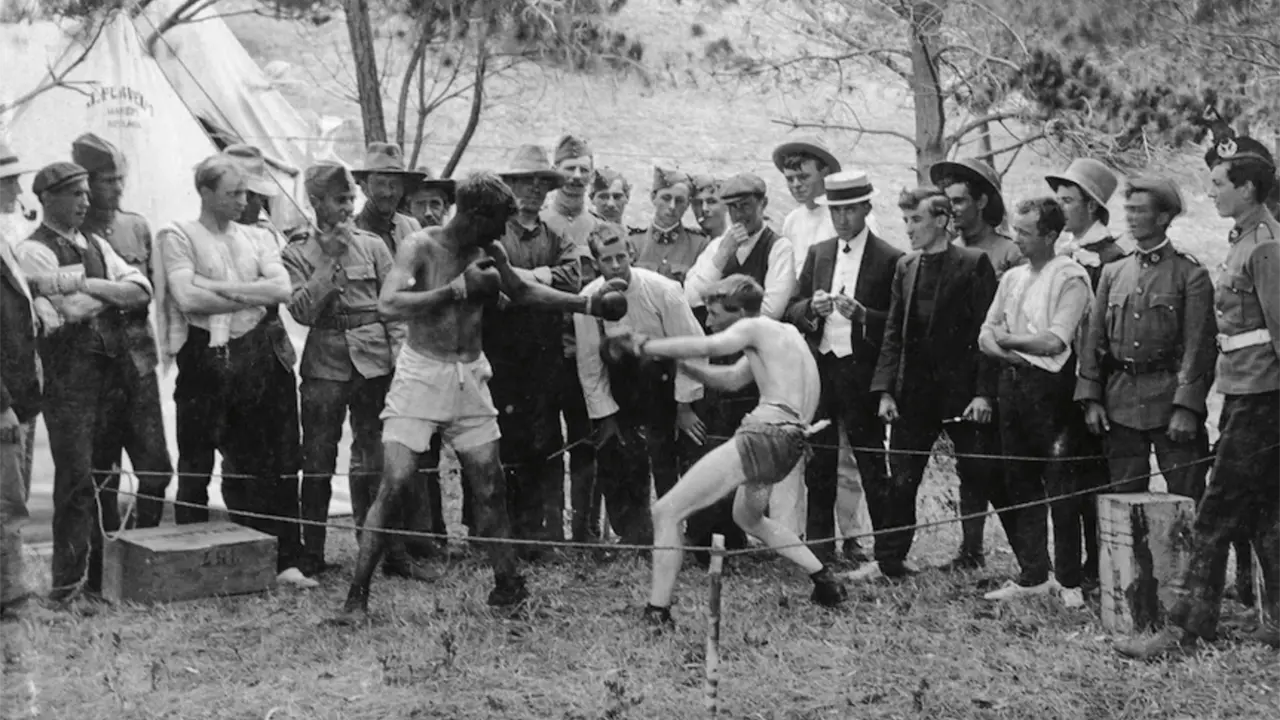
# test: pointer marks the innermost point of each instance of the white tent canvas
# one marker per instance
(119, 93)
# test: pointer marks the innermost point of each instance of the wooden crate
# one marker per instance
(1144, 545)
(185, 562)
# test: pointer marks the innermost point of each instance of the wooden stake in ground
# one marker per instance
(711, 686)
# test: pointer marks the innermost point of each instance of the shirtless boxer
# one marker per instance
(768, 444)
(442, 279)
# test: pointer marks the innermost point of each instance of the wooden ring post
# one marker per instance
(711, 685)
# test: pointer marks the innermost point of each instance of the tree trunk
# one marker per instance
(926, 89)
(375, 125)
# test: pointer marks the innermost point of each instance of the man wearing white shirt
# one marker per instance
(749, 247)
(637, 406)
(805, 164)
(840, 304)
(90, 285)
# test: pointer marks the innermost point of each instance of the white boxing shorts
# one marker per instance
(429, 396)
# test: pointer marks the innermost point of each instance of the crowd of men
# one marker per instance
(483, 313)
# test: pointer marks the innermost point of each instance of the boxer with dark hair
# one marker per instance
(442, 280)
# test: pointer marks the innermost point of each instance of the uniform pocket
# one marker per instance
(364, 271)
(1162, 316)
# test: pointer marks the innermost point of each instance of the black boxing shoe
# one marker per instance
(508, 591)
(828, 591)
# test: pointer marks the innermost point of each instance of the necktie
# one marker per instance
(847, 248)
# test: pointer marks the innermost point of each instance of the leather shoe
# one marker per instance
(964, 562)
(1169, 641)
(409, 569)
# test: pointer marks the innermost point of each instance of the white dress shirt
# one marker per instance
(837, 332)
(655, 307)
(806, 228)
(779, 280)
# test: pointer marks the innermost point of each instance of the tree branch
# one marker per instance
(182, 14)
(57, 79)
(976, 123)
(415, 60)
(477, 103)
(796, 125)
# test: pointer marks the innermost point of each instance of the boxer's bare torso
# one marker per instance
(449, 331)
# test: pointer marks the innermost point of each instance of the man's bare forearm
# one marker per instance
(258, 292)
(726, 378)
(120, 293)
(1041, 343)
(405, 304)
(679, 347)
(197, 300)
(543, 296)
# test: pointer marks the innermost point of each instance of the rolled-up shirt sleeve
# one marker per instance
(702, 275)
(678, 321)
(591, 371)
(1071, 306)
(779, 280)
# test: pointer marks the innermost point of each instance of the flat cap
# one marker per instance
(55, 176)
(742, 185)
(97, 155)
(1162, 188)
(571, 146)
(327, 178)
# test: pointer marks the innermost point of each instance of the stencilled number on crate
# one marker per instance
(220, 556)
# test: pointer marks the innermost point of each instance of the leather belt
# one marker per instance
(347, 320)
(1231, 343)
(1111, 363)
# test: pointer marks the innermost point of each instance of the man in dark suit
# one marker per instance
(840, 304)
(931, 377)
(19, 397)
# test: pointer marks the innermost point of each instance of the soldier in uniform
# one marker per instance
(1243, 498)
(430, 201)
(567, 212)
(610, 193)
(134, 394)
(385, 181)
(1147, 353)
(667, 247)
(522, 344)
(708, 209)
(92, 288)
(974, 190)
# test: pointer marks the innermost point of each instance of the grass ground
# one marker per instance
(926, 649)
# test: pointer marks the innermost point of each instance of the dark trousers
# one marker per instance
(893, 502)
(134, 424)
(241, 401)
(1129, 458)
(1038, 420)
(84, 502)
(584, 493)
(647, 445)
(325, 405)
(529, 417)
(1094, 473)
(1241, 503)
(844, 400)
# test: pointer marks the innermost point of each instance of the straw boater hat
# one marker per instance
(384, 158)
(812, 146)
(974, 170)
(531, 161)
(1092, 177)
(9, 165)
(254, 166)
(847, 188)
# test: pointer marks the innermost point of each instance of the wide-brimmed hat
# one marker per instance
(812, 146)
(9, 163)
(1092, 177)
(974, 170)
(253, 164)
(531, 161)
(431, 182)
(847, 188)
(385, 159)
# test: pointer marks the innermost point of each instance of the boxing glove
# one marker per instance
(609, 302)
(480, 280)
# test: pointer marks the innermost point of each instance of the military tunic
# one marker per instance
(670, 252)
(1243, 501)
(1147, 350)
(391, 229)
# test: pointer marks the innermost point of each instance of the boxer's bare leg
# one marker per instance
(711, 478)
(399, 465)
(748, 512)
(482, 472)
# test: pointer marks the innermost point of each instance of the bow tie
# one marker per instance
(848, 247)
